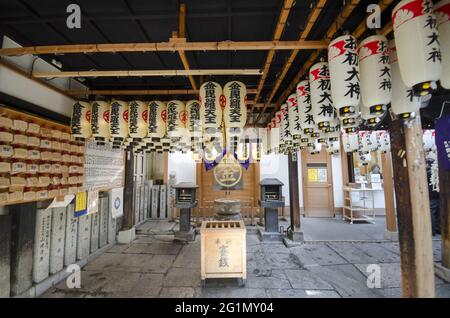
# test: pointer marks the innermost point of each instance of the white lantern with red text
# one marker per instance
(100, 121)
(350, 142)
(322, 104)
(304, 107)
(404, 102)
(375, 74)
(442, 12)
(287, 137)
(384, 142)
(294, 118)
(344, 75)
(211, 103)
(417, 42)
(80, 123)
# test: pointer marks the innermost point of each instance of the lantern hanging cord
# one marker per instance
(442, 108)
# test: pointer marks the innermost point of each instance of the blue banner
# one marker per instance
(442, 128)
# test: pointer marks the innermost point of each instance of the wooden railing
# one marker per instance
(251, 215)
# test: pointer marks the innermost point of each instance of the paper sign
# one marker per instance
(116, 202)
(80, 204)
(312, 175)
(61, 203)
(92, 202)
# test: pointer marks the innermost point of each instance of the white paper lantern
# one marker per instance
(417, 42)
(176, 119)
(211, 103)
(118, 122)
(375, 73)
(369, 119)
(275, 133)
(332, 147)
(294, 117)
(344, 74)
(314, 148)
(235, 112)
(350, 142)
(321, 101)
(304, 107)
(137, 120)
(100, 121)
(442, 12)
(404, 102)
(156, 120)
(287, 137)
(365, 158)
(384, 142)
(80, 123)
(194, 123)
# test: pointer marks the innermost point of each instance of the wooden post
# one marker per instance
(388, 187)
(128, 195)
(413, 208)
(294, 200)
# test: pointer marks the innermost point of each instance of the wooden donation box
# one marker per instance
(185, 201)
(223, 250)
(271, 199)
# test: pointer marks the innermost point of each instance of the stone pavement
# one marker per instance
(154, 266)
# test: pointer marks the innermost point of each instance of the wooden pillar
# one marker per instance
(128, 195)
(166, 168)
(294, 200)
(388, 187)
(444, 210)
(413, 208)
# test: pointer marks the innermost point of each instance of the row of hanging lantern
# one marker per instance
(358, 82)
(213, 123)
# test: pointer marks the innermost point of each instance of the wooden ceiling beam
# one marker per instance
(182, 35)
(146, 73)
(312, 18)
(287, 5)
(171, 46)
(131, 92)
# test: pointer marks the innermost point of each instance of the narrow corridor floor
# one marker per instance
(155, 266)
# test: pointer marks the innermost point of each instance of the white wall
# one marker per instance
(23, 88)
(338, 184)
(183, 165)
(272, 166)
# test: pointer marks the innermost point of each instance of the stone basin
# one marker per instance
(227, 206)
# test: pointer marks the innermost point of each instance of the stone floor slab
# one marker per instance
(158, 248)
(182, 277)
(107, 261)
(177, 292)
(301, 293)
(352, 253)
(319, 253)
(147, 263)
(305, 279)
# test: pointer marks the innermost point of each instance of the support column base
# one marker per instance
(127, 236)
(185, 236)
(391, 236)
(442, 272)
(269, 236)
(293, 239)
